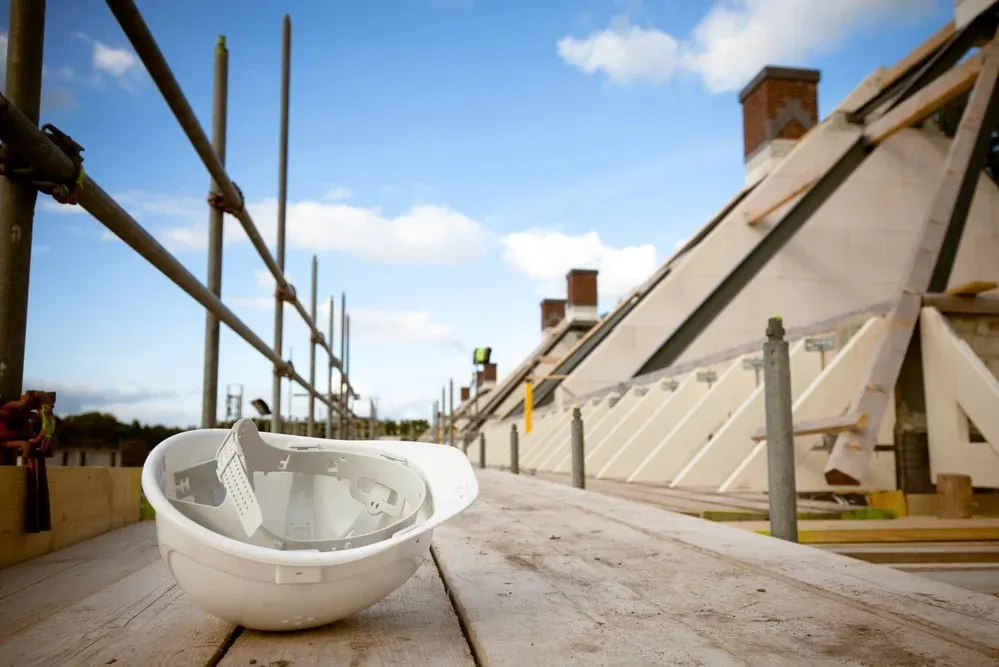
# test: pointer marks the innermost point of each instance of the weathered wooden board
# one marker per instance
(907, 529)
(544, 574)
(141, 618)
(685, 501)
(86, 502)
(415, 626)
(33, 590)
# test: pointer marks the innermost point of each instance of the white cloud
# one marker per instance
(410, 326)
(405, 326)
(337, 193)
(120, 64)
(625, 52)
(424, 233)
(116, 62)
(731, 42)
(547, 255)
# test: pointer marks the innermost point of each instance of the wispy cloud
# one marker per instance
(731, 42)
(120, 64)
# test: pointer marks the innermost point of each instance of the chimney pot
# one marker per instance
(466, 393)
(779, 106)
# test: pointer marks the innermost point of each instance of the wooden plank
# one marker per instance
(980, 579)
(839, 424)
(973, 288)
(416, 626)
(921, 553)
(887, 531)
(956, 305)
(140, 619)
(947, 87)
(925, 504)
(85, 502)
(885, 594)
(851, 453)
(934, 43)
(805, 182)
(34, 590)
(544, 574)
(686, 501)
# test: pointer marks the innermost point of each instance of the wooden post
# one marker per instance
(780, 433)
(578, 450)
(954, 493)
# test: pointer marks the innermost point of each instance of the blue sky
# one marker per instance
(450, 160)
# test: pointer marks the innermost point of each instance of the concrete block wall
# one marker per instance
(982, 334)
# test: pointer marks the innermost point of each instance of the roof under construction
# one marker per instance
(836, 216)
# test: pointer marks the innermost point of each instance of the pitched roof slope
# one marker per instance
(825, 260)
(606, 326)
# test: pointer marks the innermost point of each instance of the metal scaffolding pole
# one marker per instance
(436, 426)
(450, 412)
(329, 382)
(210, 384)
(281, 294)
(25, 46)
(310, 423)
(141, 39)
(443, 431)
(343, 353)
(346, 369)
(29, 143)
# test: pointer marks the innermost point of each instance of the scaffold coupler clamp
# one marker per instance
(218, 201)
(64, 191)
(285, 370)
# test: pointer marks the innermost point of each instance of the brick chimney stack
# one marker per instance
(485, 379)
(581, 290)
(466, 393)
(779, 106)
(552, 314)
